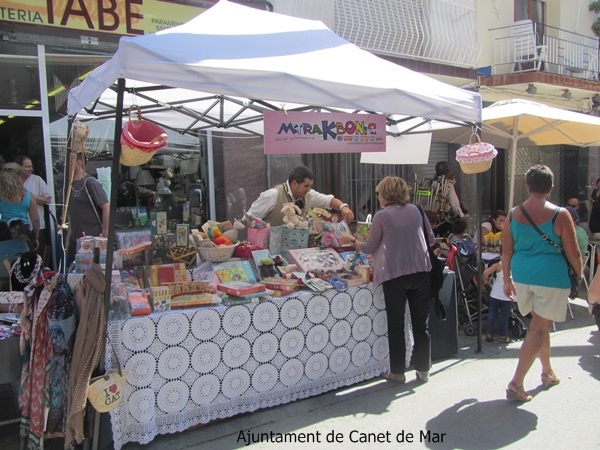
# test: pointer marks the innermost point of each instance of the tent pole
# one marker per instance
(513, 162)
(478, 221)
(210, 185)
(115, 175)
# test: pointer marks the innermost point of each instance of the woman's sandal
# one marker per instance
(517, 393)
(549, 379)
(395, 377)
(489, 337)
(504, 340)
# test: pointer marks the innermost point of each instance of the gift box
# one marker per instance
(85, 245)
(316, 259)
(83, 261)
(137, 255)
(163, 240)
(165, 273)
(282, 238)
(240, 288)
(140, 304)
(101, 243)
(161, 298)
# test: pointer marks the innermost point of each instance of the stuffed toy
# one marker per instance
(292, 216)
(328, 238)
(286, 271)
(266, 267)
(253, 222)
(215, 235)
(232, 234)
(162, 187)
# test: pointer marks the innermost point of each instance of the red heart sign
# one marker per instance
(113, 388)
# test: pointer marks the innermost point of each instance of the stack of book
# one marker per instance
(242, 289)
(280, 286)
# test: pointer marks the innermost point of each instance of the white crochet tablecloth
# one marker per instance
(193, 366)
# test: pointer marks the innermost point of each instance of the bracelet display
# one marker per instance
(343, 205)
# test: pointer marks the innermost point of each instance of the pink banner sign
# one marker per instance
(292, 133)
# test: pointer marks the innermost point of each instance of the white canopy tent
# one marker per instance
(254, 57)
(223, 68)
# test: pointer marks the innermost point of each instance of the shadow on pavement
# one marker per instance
(482, 425)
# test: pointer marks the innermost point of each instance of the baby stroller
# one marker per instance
(463, 261)
(464, 264)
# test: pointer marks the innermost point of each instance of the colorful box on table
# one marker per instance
(163, 240)
(316, 259)
(85, 245)
(282, 238)
(83, 261)
(137, 255)
(280, 284)
(140, 304)
(241, 288)
(164, 273)
(161, 298)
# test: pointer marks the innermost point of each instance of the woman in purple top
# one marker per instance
(401, 263)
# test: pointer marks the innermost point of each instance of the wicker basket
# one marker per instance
(209, 251)
(476, 167)
(476, 157)
(140, 140)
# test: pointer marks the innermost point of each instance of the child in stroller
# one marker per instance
(500, 306)
(464, 264)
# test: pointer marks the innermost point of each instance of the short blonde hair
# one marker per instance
(394, 190)
(17, 168)
(11, 185)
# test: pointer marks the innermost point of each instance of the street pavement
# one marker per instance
(462, 407)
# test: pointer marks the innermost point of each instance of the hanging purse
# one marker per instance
(573, 278)
(476, 157)
(140, 139)
(105, 392)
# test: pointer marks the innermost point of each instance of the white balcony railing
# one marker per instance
(554, 50)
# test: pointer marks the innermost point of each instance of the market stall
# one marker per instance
(173, 75)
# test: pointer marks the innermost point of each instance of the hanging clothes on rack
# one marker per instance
(49, 322)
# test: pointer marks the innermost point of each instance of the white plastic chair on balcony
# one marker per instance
(525, 48)
(581, 59)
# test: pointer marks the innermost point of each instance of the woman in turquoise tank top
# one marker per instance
(536, 272)
(16, 202)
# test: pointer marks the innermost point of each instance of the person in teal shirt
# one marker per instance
(535, 272)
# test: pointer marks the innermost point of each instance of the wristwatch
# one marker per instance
(343, 205)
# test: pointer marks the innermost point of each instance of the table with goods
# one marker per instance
(241, 327)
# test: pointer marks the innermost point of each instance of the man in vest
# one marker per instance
(298, 190)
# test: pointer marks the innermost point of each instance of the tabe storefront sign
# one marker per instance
(291, 133)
